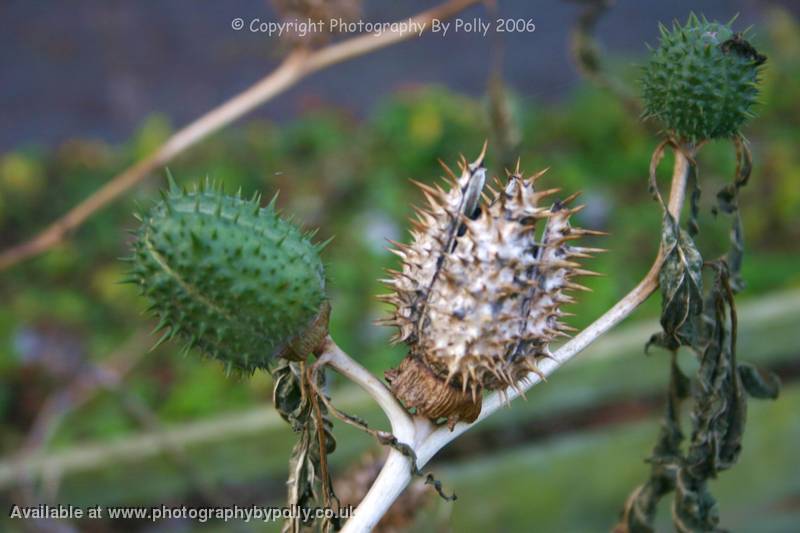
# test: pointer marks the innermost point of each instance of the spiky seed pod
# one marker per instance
(230, 277)
(702, 80)
(480, 293)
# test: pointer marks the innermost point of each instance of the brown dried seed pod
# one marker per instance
(480, 293)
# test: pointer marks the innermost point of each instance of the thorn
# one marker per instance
(585, 251)
(479, 161)
(398, 245)
(325, 243)
(448, 171)
(271, 204)
(398, 253)
(462, 162)
(159, 342)
(173, 186)
(559, 263)
(582, 272)
(162, 323)
(547, 192)
(577, 209)
(571, 197)
(539, 174)
(582, 231)
(577, 287)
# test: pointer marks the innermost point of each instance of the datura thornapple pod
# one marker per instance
(702, 80)
(480, 294)
(231, 277)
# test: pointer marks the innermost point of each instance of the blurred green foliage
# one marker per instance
(350, 179)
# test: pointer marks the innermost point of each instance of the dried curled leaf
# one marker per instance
(719, 414)
(728, 203)
(759, 384)
(681, 281)
(307, 472)
(709, 327)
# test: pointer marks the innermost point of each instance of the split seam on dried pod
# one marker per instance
(479, 296)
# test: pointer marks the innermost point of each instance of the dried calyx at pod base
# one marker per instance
(481, 290)
(230, 277)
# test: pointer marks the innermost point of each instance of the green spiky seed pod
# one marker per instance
(231, 278)
(702, 81)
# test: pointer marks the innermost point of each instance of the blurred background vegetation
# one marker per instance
(105, 421)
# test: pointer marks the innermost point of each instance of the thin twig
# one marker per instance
(313, 396)
(335, 357)
(296, 66)
(316, 368)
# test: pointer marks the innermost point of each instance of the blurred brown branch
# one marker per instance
(296, 66)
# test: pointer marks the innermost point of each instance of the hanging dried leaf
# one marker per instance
(709, 327)
(728, 203)
(307, 466)
(759, 384)
(681, 277)
(681, 281)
